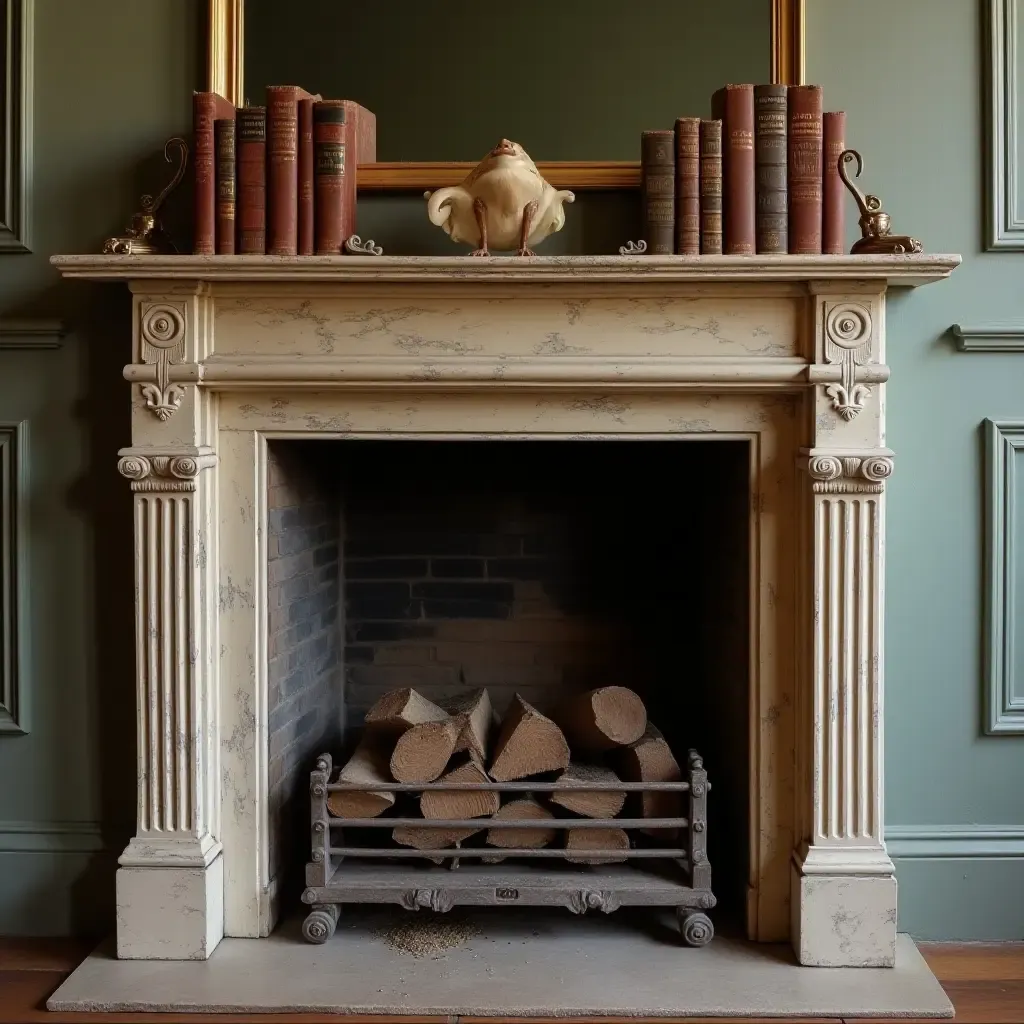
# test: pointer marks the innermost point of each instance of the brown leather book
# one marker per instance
(206, 108)
(711, 188)
(805, 180)
(330, 176)
(833, 191)
(688, 186)
(772, 220)
(305, 243)
(658, 190)
(283, 168)
(224, 169)
(734, 106)
(251, 213)
(361, 133)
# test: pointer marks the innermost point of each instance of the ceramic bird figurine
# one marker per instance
(503, 203)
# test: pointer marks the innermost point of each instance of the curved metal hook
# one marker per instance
(866, 204)
(151, 205)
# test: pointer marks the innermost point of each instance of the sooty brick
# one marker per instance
(468, 591)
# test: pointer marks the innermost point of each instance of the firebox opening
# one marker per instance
(533, 567)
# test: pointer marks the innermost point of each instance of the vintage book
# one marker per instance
(711, 188)
(805, 169)
(770, 157)
(833, 191)
(251, 208)
(305, 241)
(658, 190)
(224, 170)
(688, 186)
(361, 136)
(734, 106)
(206, 108)
(330, 176)
(283, 168)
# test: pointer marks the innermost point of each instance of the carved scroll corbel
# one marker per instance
(847, 373)
(849, 473)
(148, 472)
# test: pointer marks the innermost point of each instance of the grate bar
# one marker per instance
(506, 787)
(497, 851)
(508, 822)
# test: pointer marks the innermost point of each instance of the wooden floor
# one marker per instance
(985, 984)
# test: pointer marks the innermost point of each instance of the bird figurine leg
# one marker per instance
(480, 209)
(529, 212)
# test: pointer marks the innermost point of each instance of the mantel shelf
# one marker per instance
(896, 271)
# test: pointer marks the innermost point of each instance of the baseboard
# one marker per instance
(51, 837)
(954, 842)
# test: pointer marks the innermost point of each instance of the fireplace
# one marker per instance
(753, 386)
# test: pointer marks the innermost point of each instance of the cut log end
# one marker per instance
(422, 752)
(603, 719)
(465, 804)
(368, 763)
(399, 710)
(583, 840)
(650, 759)
(589, 803)
(528, 743)
(521, 838)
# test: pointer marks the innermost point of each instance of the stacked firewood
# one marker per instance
(599, 737)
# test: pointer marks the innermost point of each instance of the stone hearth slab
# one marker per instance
(518, 963)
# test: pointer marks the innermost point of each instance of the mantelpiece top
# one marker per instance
(896, 271)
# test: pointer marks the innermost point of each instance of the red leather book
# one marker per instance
(331, 176)
(805, 180)
(224, 169)
(251, 214)
(688, 186)
(206, 108)
(833, 192)
(711, 188)
(283, 168)
(305, 243)
(734, 105)
(658, 190)
(361, 136)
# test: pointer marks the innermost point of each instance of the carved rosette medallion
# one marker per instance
(849, 474)
(848, 345)
(583, 900)
(164, 472)
(162, 333)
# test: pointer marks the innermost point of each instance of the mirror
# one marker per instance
(572, 80)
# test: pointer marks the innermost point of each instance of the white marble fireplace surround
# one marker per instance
(785, 352)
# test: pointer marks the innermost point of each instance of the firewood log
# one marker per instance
(399, 710)
(528, 743)
(591, 804)
(465, 804)
(586, 839)
(422, 753)
(651, 760)
(431, 838)
(602, 719)
(477, 717)
(368, 763)
(521, 838)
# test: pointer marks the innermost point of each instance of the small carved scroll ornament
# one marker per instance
(849, 474)
(583, 900)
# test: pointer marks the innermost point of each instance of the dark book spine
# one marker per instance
(658, 188)
(688, 186)
(770, 157)
(805, 179)
(252, 181)
(833, 192)
(711, 188)
(305, 237)
(735, 106)
(330, 176)
(282, 170)
(224, 143)
(206, 108)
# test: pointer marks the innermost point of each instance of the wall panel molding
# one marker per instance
(1004, 689)
(979, 338)
(51, 837)
(16, 44)
(14, 577)
(921, 842)
(31, 333)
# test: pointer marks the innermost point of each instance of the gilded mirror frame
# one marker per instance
(224, 74)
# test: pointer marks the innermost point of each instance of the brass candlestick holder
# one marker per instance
(145, 235)
(875, 225)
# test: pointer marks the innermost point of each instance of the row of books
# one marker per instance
(759, 176)
(278, 179)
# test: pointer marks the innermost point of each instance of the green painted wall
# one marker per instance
(113, 81)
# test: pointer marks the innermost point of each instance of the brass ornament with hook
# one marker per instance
(875, 224)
